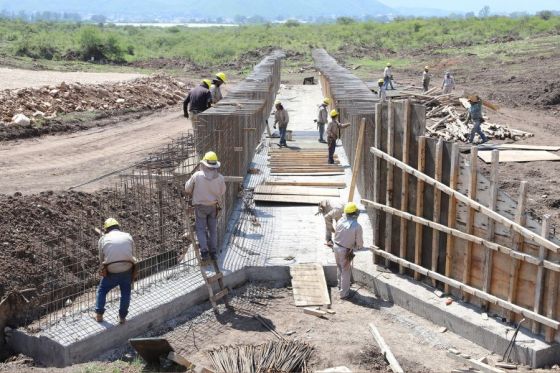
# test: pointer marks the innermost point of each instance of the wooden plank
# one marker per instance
(219, 295)
(385, 350)
(521, 147)
(307, 173)
(539, 289)
(475, 363)
(333, 184)
(419, 204)
(357, 160)
(296, 190)
(452, 211)
(491, 225)
(314, 312)
(551, 301)
(377, 174)
(390, 176)
(292, 199)
(437, 207)
(180, 360)
(404, 188)
(473, 180)
(520, 156)
(517, 243)
(462, 198)
(309, 285)
(469, 289)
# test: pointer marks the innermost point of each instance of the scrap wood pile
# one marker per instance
(273, 356)
(447, 113)
(48, 102)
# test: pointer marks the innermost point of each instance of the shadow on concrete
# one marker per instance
(242, 320)
(367, 301)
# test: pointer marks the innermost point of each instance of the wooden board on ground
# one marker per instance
(328, 173)
(551, 148)
(292, 199)
(519, 156)
(296, 190)
(309, 285)
(331, 184)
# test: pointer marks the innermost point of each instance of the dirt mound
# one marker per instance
(167, 63)
(49, 105)
(550, 95)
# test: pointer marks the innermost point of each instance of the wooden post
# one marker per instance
(551, 301)
(419, 204)
(473, 179)
(452, 211)
(437, 207)
(390, 174)
(491, 225)
(357, 159)
(404, 188)
(377, 171)
(385, 350)
(537, 307)
(517, 245)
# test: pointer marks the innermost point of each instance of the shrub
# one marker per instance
(345, 20)
(292, 23)
(545, 14)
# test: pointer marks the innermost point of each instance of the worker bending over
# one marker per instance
(198, 100)
(332, 210)
(448, 84)
(333, 133)
(116, 254)
(281, 120)
(323, 117)
(348, 237)
(475, 115)
(388, 76)
(426, 76)
(207, 188)
(215, 90)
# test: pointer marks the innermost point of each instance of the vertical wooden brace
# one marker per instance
(377, 177)
(437, 207)
(404, 188)
(543, 252)
(357, 159)
(419, 204)
(452, 211)
(390, 174)
(473, 180)
(491, 229)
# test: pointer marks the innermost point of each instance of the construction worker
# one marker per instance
(426, 76)
(207, 188)
(448, 84)
(332, 210)
(333, 133)
(348, 237)
(475, 115)
(199, 99)
(215, 87)
(116, 254)
(388, 76)
(281, 119)
(323, 117)
(381, 91)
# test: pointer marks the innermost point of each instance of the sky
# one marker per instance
(507, 6)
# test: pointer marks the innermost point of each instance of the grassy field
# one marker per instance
(54, 43)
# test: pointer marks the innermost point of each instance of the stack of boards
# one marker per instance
(302, 162)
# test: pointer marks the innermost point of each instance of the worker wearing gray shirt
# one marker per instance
(116, 253)
(348, 237)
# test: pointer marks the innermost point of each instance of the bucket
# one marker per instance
(288, 135)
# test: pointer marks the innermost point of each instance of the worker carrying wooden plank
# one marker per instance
(207, 188)
(348, 237)
(332, 210)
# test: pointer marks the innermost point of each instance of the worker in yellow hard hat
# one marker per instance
(215, 87)
(475, 115)
(333, 133)
(198, 100)
(388, 76)
(381, 90)
(426, 76)
(348, 236)
(207, 188)
(116, 252)
(323, 117)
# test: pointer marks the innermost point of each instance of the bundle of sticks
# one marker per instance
(446, 115)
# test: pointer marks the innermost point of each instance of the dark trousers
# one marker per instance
(332, 147)
(124, 281)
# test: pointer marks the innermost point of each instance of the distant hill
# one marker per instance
(203, 9)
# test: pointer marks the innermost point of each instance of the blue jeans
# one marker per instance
(387, 81)
(206, 228)
(124, 281)
(321, 131)
(477, 129)
(332, 147)
(282, 135)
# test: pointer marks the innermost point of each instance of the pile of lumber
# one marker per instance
(285, 161)
(446, 115)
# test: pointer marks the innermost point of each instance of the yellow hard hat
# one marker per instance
(389, 64)
(222, 77)
(110, 222)
(473, 98)
(208, 82)
(334, 113)
(426, 67)
(277, 102)
(327, 100)
(350, 208)
(210, 160)
(381, 81)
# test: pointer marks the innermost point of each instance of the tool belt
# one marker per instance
(104, 272)
(349, 252)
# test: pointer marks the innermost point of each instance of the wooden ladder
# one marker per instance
(210, 280)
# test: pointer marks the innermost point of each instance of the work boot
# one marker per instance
(214, 257)
(99, 317)
(122, 320)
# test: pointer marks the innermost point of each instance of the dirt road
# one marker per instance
(19, 78)
(60, 162)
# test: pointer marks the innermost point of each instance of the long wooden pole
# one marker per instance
(390, 174)
(419, 204)
(437, 207)
(452, 211)
(539, 288)
(470, 203)
(491, 230)
(385, 350)
(473, 180)
(404, 186)
(469, 289)
(357, 159)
